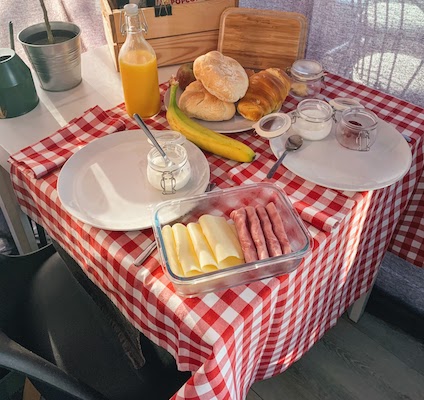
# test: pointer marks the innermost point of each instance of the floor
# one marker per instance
(367, 360)
(380, 357)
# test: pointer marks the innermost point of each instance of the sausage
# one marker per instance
(273, 244)
(240, 221)
(257, 233)
(278, 227)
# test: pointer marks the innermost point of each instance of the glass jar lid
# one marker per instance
(168, 137)
(314, 110)
(343, 103)
(307, 70)
(359, 119)
(176, 153)
(273, 125)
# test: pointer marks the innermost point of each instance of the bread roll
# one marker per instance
(222, 76)
(197, 102)
(267, 91)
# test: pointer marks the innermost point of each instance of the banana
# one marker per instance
(202, 137)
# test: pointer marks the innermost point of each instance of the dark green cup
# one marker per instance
(17, 91)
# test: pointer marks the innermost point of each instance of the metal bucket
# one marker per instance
(58, 65)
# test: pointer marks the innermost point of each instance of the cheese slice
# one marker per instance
(171, 250)
(224, 244)
(185, 250)
(201, 247)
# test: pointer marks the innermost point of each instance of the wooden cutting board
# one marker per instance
(260, 39)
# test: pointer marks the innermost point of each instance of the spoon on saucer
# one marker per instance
(149, 134)
(293, 143)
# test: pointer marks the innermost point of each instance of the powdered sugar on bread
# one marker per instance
(222, 76)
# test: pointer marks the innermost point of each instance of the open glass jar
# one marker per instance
(307, 79)
(172, 176)
(357, 129)
(313, 119)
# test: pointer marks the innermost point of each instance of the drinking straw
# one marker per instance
(12, 40)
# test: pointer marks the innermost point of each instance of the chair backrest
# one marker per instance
(47, 376)
(16, 276)
(260, 39)
(52, 331)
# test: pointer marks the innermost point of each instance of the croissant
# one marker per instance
(266, 93)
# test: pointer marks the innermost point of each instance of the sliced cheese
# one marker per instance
(185, 250)
(201, 247)
(224, 244)
(171, 250)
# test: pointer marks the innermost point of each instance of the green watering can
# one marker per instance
(17, 91)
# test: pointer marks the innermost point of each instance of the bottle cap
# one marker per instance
(131, 9)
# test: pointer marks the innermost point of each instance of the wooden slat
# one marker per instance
(187, 18)
(184, 48)
(191, 30)
(177, 49)
(260, 39)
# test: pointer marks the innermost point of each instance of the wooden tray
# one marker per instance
(260, 39)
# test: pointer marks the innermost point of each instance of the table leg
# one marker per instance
(17, 221)
(358, 307)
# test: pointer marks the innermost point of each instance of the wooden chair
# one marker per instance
(260, 39)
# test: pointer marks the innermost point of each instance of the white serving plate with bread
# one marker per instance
(236, 124)
(222, 95)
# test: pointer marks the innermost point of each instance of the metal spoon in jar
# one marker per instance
(149, 134)
(292, 143)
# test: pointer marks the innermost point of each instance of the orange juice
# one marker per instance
(139, 75)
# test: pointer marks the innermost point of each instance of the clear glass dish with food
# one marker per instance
(229, 237)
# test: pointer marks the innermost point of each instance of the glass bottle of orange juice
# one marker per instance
(138, 67)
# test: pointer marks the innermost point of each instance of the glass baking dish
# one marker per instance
(221, 203)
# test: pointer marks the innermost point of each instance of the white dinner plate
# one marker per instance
(105, 183)
(329, 164)
(233, 125)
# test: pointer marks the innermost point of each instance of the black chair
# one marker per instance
(53, 332)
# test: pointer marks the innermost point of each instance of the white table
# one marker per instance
(101, 85)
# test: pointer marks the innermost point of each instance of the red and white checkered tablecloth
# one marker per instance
(232, 338)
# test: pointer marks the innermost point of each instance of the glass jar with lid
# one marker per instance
(307, 79)
(313, 119)
(357, 129)
(168, 176)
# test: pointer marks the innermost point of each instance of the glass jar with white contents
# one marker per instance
(313, 119)
(168, 176)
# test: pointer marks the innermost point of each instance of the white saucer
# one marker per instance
(329, 164)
